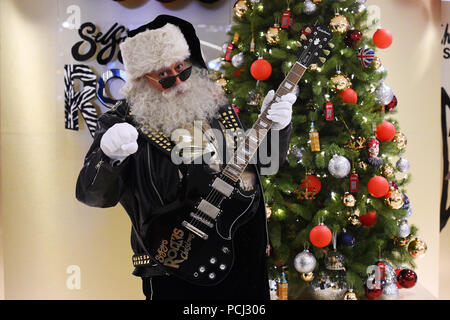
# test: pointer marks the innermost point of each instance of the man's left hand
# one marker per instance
(280, 111)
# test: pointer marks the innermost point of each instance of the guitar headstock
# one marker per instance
(315, 45)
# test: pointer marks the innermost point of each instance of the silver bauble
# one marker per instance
(305, 262)
(310, 7)
(339, 166)
(238, 60)
(390, 291)
(402, 165)
(384, 94)
(403, 229)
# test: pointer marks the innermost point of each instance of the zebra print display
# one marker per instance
(74, 100)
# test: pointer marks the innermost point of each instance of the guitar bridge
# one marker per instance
(195, 230)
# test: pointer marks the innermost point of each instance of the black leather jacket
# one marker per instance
(148, 180)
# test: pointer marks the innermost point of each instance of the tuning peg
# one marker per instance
(327, 52)
(322, 59)
(331, 45)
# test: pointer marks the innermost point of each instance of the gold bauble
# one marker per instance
(273, 34)
(350, 295)
(395, 199)
(417, 248)
(240, 8)
(349, 200)
(317, 1)
(307, 277)
(268, 211)
(401, 140)
(388, 171)
(340, 82)
(339, 24)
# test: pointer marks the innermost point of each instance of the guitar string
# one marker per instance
(214, 195)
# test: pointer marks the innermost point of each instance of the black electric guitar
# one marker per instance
(195, 241)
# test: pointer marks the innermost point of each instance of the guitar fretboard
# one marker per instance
(247, 149)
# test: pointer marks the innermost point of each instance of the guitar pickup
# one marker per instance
(223, 187)
(209, 209)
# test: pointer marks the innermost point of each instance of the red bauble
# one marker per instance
(261, 69)
(349, 96)
(320, 236)
(378, 186)
(353, 37)
(385, 131)
(391, 106)
(368, 219)
(407, 278)
(382, 38)
(373, 294)
(310, 186)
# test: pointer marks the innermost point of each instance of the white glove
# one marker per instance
(119, 141)
(281, 110)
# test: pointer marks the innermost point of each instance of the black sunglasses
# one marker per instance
(168, 82)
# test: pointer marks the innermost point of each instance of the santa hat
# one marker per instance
(159, 44)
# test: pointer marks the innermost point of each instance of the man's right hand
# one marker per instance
(119, 141)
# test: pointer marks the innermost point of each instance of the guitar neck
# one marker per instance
(247, 149)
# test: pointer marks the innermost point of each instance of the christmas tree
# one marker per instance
(338, 208)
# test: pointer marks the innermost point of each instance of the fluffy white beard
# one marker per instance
(198, 98)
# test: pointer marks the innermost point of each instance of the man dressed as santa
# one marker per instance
(133, 161)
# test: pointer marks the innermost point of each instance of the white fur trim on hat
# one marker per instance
(153, 49)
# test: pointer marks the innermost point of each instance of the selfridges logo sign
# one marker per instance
(92, 44)
(93, 38)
